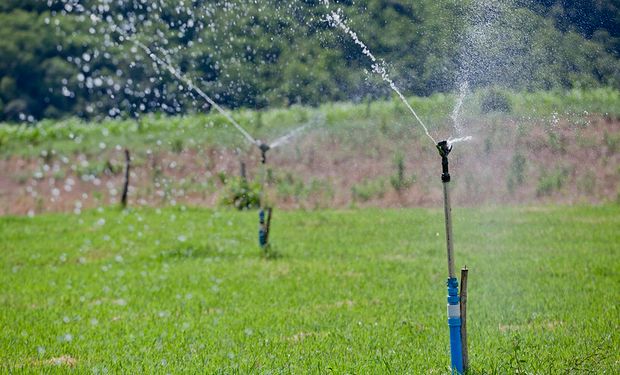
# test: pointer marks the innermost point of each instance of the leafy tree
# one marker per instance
(56, 60)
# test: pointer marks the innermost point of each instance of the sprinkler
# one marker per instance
(454, 308)
(263, 147)
(265, 213)
(263, 225)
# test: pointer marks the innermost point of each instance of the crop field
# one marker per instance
(346, 291)
(544, 147)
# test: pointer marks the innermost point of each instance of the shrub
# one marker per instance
(398, 180)
(241, 194)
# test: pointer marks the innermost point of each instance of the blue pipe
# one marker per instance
(262, 232)
(454, 322)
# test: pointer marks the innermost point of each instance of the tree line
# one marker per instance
(72, 58)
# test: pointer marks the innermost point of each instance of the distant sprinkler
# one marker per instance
(263, 147)
(263, 224)
(265, 212)
(458, 343)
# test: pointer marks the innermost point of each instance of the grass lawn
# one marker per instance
(354, 291)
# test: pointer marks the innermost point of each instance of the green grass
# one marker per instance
(359, 291)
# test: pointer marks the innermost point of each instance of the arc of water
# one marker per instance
(287, 137)
(292, 134)
(158, 60)
(182, 78)
(191, 85)
(456, 112)
(452, 141)
(335, 19)
(276, 143)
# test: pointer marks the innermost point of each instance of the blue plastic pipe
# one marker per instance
(262, 230)
(454, 322)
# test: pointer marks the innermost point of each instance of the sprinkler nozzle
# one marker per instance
(444, 150)
(263, 150)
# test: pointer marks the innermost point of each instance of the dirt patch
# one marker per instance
(64, 360)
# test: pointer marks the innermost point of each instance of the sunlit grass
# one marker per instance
(358, 291)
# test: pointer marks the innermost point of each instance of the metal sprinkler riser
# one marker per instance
(263, 223)
(454, 308)
(444, 151)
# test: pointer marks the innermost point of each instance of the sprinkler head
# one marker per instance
(263, 150)
(444, 148)
(264, 147)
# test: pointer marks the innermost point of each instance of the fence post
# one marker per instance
(126, 183)
(463, 299)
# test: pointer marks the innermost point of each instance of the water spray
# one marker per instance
(175, 72)
(454, 307)
(335, 19)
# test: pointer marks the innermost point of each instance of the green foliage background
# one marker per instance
(54, 62)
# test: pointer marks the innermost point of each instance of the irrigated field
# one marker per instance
(354, 291)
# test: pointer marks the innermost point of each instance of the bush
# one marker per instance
(398, 180)
(241, 194)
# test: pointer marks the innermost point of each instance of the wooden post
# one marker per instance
(463, 298)
(243, 173)
(126, 184)
(268, 225)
